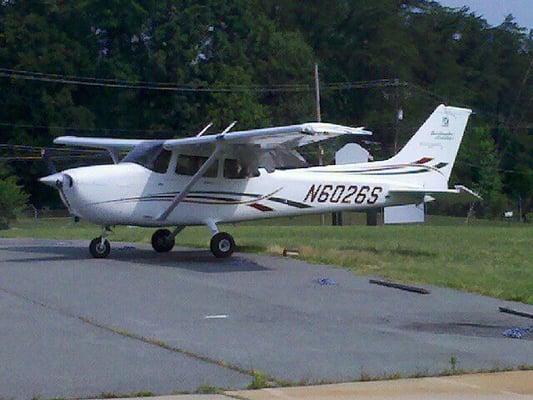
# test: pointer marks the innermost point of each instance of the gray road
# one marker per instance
(74, 326)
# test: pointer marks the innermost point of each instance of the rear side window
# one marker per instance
(189, 165)
(161, 162)
(233, 169)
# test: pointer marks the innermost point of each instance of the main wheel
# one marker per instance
(99, 248)
(222, 245)
(163, 240)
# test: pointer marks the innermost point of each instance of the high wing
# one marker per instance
(288, 136)
(267, 138)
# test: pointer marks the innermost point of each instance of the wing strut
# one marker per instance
(180, 196)
(114, 155)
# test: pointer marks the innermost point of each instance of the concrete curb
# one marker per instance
(500, 385)
(503, 385)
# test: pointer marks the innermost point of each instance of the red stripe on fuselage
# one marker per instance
(260, 207)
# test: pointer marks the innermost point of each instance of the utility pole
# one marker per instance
(319, 119)
(398, 114)
(520, 219)
(317, 94)
(318, 113)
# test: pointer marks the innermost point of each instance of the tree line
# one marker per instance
(260, 54)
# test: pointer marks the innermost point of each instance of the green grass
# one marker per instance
(494, 259)
(259, 381)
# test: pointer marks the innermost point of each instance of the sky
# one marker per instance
(494, 11)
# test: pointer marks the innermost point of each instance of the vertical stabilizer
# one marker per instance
(437, 142)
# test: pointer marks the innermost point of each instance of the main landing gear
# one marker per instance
(222, 244)
(164, 240)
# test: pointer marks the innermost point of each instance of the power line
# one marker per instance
(196, 87)
(508, 171)
(17, 147)
(75, 128)
(112, 80)
(446, 100)
(189, 87)
(38, 158)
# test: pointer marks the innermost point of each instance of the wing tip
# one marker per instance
(325, 128)
(63, 139)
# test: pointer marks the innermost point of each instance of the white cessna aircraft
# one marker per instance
(232, 176)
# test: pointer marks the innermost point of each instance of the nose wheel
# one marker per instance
(222, 245)
(163, 240)
(100, 247)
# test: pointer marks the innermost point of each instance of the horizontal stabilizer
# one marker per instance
(460, 194)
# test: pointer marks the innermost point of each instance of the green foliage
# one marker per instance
(113, 395)
(451, 52)
(453, 364)
(12, 199)
(241, 106)
(479, 163)
(208, 389)
(259, 381)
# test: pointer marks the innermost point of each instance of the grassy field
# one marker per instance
(495, 259)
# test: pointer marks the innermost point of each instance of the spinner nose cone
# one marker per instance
(53, 180)
(56, 180)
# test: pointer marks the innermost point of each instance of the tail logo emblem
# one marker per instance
(445, 122)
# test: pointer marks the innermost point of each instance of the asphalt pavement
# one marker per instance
(73, 326)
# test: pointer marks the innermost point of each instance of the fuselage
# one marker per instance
(130, 194)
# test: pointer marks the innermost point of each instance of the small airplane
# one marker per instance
(236, 176)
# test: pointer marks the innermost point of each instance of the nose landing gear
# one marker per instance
(100, 247)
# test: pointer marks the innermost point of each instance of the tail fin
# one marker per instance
(436, 143)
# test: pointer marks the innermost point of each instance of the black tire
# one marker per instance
(163, 241)
(99, 249)
(222, 245)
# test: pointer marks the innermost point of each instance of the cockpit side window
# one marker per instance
(234, 169)
(150, 155)
(189, 165)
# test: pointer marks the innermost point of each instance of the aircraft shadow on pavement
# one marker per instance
(194, 260)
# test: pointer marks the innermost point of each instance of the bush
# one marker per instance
(12, 200)
(259, 381)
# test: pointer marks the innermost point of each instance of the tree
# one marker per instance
(447, 55)
(478, 165)
(12, 198)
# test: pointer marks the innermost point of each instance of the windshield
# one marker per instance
(150, 155)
